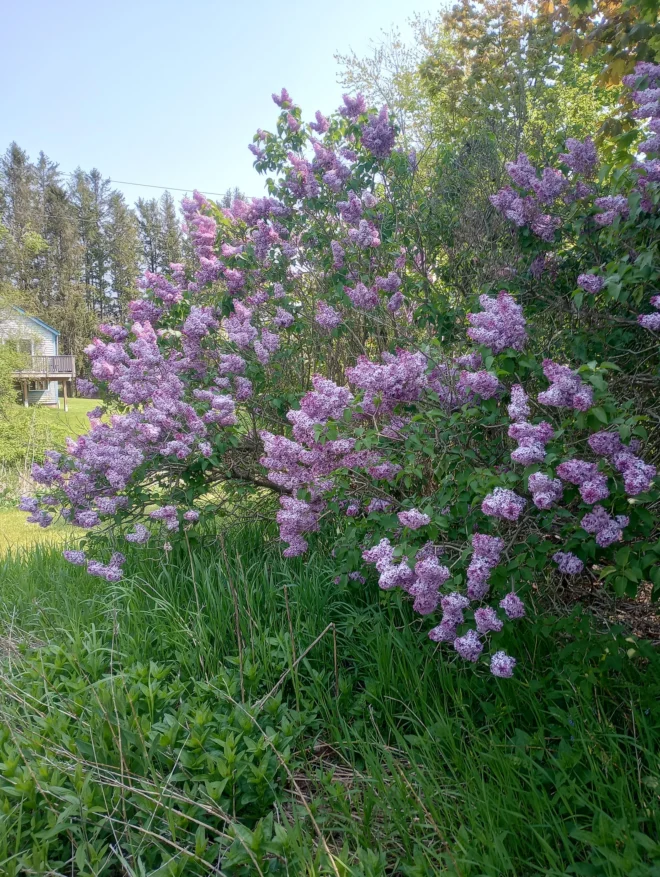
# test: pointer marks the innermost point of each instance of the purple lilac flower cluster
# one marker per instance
(591, 483)
(500, 325)
(607, 529)
(637, 475)
(546, 491)
(486, 552)
(651, 321)
(532, 439)
(566, 388)
(503, 503)
(569, 564)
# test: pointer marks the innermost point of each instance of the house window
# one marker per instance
(37, 385)
(19, 345)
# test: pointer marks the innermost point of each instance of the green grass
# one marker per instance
(16, 533)
(25, 433)
(399, 760)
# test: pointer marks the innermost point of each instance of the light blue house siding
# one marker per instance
(36, 338)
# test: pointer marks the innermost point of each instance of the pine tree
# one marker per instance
(123, 254)
(170, 244)
(151, 231)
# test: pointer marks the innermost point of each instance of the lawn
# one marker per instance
(25, 433)
(225, 711)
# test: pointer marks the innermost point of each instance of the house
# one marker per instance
(43, 368)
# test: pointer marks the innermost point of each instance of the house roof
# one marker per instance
(35, 320)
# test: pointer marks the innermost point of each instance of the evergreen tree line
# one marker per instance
(72, 248)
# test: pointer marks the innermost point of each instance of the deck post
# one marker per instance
(66, 404)
(25, 394)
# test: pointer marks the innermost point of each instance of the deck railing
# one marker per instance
(44, 366)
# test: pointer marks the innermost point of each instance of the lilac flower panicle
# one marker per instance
(76, 557)
(502, 665)
(140, 534)
(545, 491)
(483, 383)
(486, 551)
(327, 317)
(378, 135)
(486, 620)
(513, 606)
(581, 157)
(591, 483)
(500, 325)
(566, 388)
(591, 283)
(443, 633)
(605, 528)
(413, 519)
(503, 503)
(469, 646)
(518, 408)
(569, 564)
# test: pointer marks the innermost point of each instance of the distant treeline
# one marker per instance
(72, 248)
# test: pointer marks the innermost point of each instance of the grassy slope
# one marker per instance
(24, 435)
(443, 769)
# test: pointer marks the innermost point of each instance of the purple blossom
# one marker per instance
(637, 475)
(592, 484)
(283, 99)
(430, 577)
(337, 254)
(513, 606)
(545, 491)
(365, 235)
(413, 519)
(283, 319)
(321, 124)
(327, 317)
(591, 283)
(503, 503)
(486, 551)
(502, 665)
(362, 297)
(566, 388)
(76, 557)
(518, 408)
(532, 439)
(445, 632)
(242, 389)
(581, 157)
(140, 534)
(569, 564)
(378, 136)
(612, 206)
(483, 383)
(353, 106)
(500, 325)
(29, 504)
(486, 620)
(650, 321)
(522, 171)
(605, 444)
(606, 528)
(469, 646)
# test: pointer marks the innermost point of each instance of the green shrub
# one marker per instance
(105, 762)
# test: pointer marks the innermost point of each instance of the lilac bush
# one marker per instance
(295, 367)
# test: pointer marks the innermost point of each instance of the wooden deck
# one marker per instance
(47, 368)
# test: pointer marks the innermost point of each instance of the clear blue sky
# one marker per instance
(171, 92)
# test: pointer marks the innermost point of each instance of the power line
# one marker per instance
(152, 186)
(167, 188)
